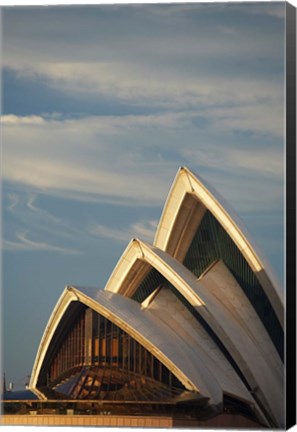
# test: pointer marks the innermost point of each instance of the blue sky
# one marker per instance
(101, 105)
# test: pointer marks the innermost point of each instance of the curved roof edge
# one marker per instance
(120, 273)
(50, 329)
(186, 182)
(125, 312)
(193, 291)
(171, 269)
(161, 341)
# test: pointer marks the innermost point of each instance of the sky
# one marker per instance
(100, 107)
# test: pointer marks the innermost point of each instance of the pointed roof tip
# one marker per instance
(70, 288)
(136, 241)
(184, 168)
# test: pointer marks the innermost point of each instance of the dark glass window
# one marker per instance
(152, 281)
(95, 359)
(219, 245)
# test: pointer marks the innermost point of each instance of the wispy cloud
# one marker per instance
(129, 160)
(161, 88)
(277, 10)
(85, 34)
(201, 85)
(255, 118)
(13, 201)
(190, 58)
(83, 157)
(12, 119)
(23, 243)
(31, 206)
(270, 161)
(144, 230)
(267, 162)
(206, 111)
(25, 210)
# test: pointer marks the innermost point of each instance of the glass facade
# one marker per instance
(152, 281)
(95, 359)
(210, 243)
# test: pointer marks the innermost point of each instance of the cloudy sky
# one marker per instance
(101, 105)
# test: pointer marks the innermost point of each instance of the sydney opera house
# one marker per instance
(192, 323)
